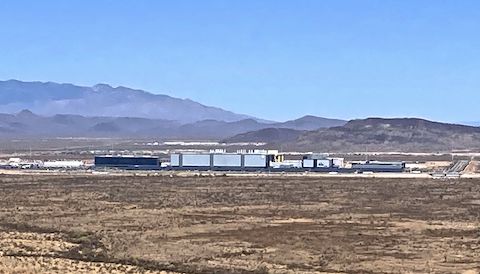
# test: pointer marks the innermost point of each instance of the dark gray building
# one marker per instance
(127, 162)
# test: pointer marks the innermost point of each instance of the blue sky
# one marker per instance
(269, 58)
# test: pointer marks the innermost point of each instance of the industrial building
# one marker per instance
(253, 160)
(376, 166)
(318, 161)
(245, 160)
(220, 161)
(261, 160)
(127, 162)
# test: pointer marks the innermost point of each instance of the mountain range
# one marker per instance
(36, 109)
(27, 124)
(52, 109)
(103, 100)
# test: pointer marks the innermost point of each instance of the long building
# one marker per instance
(127, 162)
(220, 161)
(376, 166)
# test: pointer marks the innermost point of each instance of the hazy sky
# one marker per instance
(269, 58)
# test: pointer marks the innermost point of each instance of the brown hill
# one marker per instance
(267, 135)
(377, 134)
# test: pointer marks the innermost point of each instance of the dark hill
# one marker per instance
(376, 134)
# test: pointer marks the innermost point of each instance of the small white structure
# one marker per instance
(338, 162)
(326, 163)
(24, 164)
(63, 164)
(287, 164)
(14, 160)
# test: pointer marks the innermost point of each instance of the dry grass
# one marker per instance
(90, 224)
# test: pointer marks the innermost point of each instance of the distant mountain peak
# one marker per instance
(308, 117)
(310, 122)
(25, 113)
(101, 87)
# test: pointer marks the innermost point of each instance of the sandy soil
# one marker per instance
(473, 167)
(195, 224)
